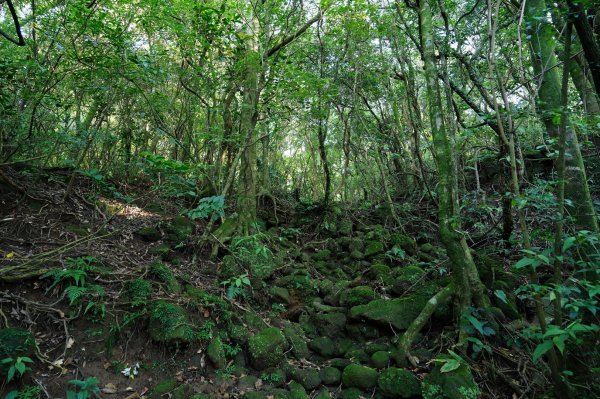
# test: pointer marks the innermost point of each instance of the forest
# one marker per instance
(294, 199)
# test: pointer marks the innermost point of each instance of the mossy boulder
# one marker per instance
(353, 393)
(216, 353)
(380, 359)
(323, 254)
(137, 291)
(163, 388)
(247, 382)
(398, 383)
(379, 271)
(406, 278)
(179, 229)
(169, 323)
(330, 375)
(230, 268)
(297, 391)
(280, 294)
(427, 248)
(399, 312)
(324, 346)
(296, 340)
(357, 255)
(267, 348)
(361, 377)
(455, 384)
(330, 323)
(309, 378)
(345, 227)
(149, 234)
(15, 342)
(408, 244)
(374, 248)
(356, 244)
(357, 296)
(163, 250)
(323, 394)
(165, 275)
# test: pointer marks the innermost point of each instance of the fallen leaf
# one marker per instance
(9, 255)
(110, 388)
(70, 342)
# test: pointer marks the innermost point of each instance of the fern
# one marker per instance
(75, 293)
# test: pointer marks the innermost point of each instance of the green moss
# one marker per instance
(137, 291)
(455, 384)
(330, 323)
(357, 296)
(405, 242)
(380, 359)
(149, 234)
(324, 346)
(323, 394)
(247, 382)
(165, 275)
(427, 248)
(179, 229)
(216, 353)
(330, 375)
(169, 323)
(309, 378)
(357, 255)
(353, 393)
(323, 254)
(294, 336)
(398, 383)
(280, 294)
(181, 392)
(345, 227)
(379, 271)
(160, 249)
(163, 388)
(374, 248)
(267, 348)
(297, 391)
(362, 377)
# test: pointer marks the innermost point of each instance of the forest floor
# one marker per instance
(311, 307)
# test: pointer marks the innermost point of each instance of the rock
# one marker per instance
(360, 295)
(340, 363)
(398, 383)
(455, 384)
(330, 376)
(379, 271)
(356, 244)
(163, 388)
(216, 353)
(362, 330)
(330, 323)
(373, 347)
(267, 349)
(247, 382)
(230, 268)
(353, 393)
(357, 255)
(400, 312)
(324, 346)
(280, 294)
(149, 234)
(345, 227)
(160, 250)
(405, 278)
(380, 359)
(323, 254)
(427, 248)
(169, 323)
(374, 248)
(164, 274)
(309, 378)
(295, 338)
(297, 391)
(238, 333)
(137, 291)
(179, 229)
(15, 342)
(323, 394)
(408, 244)
(361, 377)
(358, 355)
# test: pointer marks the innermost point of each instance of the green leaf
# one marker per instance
(11, 374)
(569, 241)
(476, 323)
(501, 295)
(12, 394)
(541, 349)
(71, 395)
(559, 342)
(526, 262)
(20, 367)
(450, 365)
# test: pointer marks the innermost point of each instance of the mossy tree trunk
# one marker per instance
(468, 284)
(549, 106)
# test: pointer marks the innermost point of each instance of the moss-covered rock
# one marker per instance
(345, 227)
(179, 229)
(324, 346)
(280, 294)
(163, 388)
(323, 394)
(408, 244)
(380, 359)
(340, 363)
(357, 255)
(216, 353)
(455, 384)
(230, 268)
(361, 329)
(330, 375)
(330, 323)
(323, 254)
(15, 342)
(169, 323)
(356, 244)
(400, 312)
(296, 340)
(379, 271)
(374, 248)
(405, 278)
(297, 391)
(398, 383)
(137, 291)
(308, 378)
(165, 275)
(267, 349)
(149, 234)
(163, 250)
(353, 393)
(361, 377)
(181, 392)
(355, 296)
(427, 248)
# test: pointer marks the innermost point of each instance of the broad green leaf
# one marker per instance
(450, 365)
(501, 295)
(569, 241)
(541, 349)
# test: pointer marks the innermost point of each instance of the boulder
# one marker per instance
(455, 384)
(267, 348)
(169, 323)
(216, 353)
(361, 377)
(398, 383)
